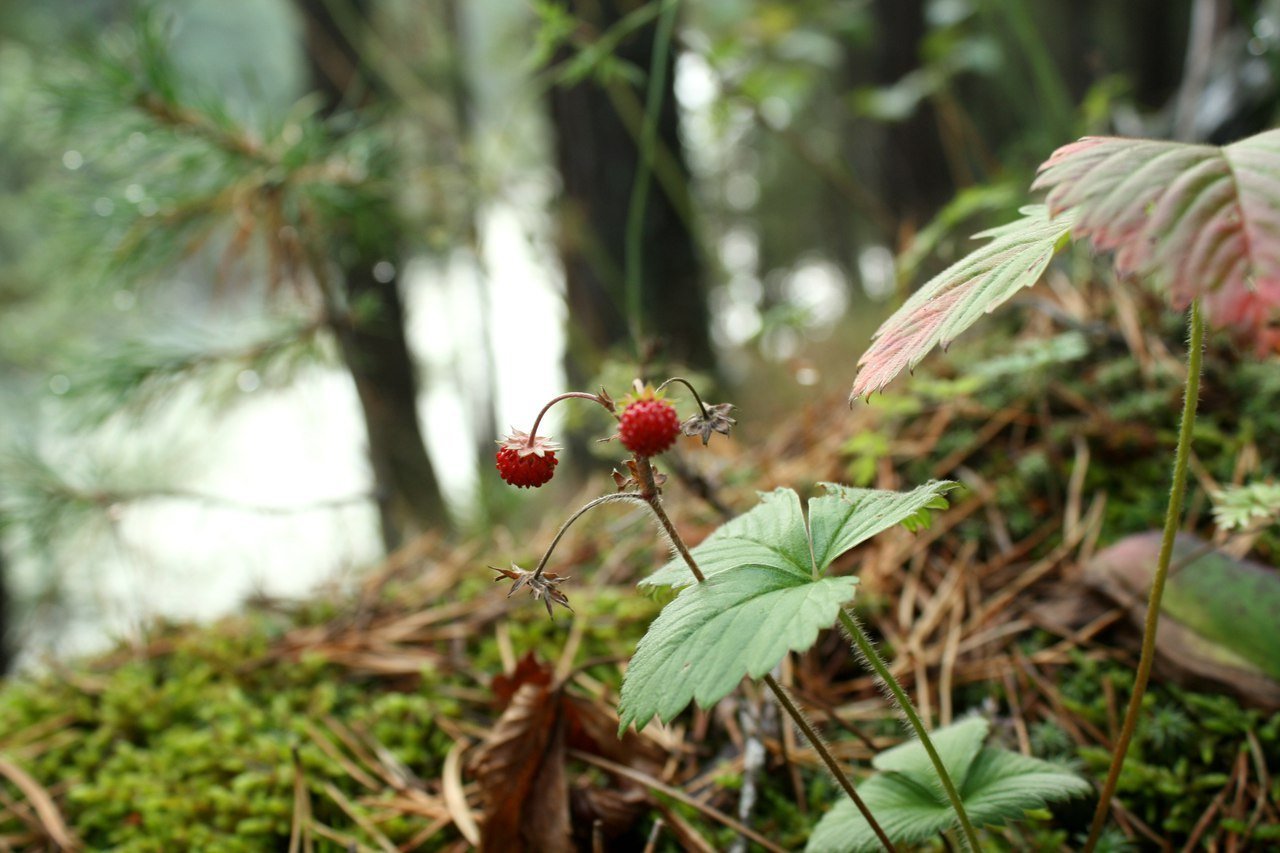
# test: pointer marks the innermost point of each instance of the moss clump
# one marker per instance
(191, 745)
(193, 748)
(1183, 751)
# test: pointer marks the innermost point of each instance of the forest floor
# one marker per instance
(387, 719)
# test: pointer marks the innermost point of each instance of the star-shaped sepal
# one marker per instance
(716, 419)
(543, 587)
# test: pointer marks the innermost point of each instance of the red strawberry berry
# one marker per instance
(649, 425)
(524, 462)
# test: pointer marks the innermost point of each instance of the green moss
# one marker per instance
(1184, 746)
(192, 748)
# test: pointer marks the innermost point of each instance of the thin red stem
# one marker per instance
(694, 391)
(579, 395)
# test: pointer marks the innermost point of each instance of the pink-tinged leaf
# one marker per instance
(953, 300)
(1200, 220)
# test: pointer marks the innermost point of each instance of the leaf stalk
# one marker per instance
(702, 407)
(568, 395)
(1173, 515)
(564, 528)
(868, 650)
(797, 717)
(649, 493)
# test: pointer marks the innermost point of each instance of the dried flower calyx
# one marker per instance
(543, 587)
(715, 419)
(633, 480)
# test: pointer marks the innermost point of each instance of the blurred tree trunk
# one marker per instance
(914, 178)
(597, 155)
(6, 650)
(372, 336)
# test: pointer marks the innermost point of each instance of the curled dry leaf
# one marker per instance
(522, 771)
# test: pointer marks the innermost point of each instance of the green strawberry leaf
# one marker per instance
(773, 533)
(907, 813)
(1002, 785)
(957, 745)
(846, 517)
(996, 785)
(770, 534)
(764, 594)
(734, 624)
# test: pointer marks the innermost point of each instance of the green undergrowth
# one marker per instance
(1184, 753)
(191, 746)
(1073, 391)
(1074, 387)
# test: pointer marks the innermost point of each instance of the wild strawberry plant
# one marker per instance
(759, 588)
(766, 593)
(1200, 222)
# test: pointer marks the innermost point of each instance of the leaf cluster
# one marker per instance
(996, 785)
(1197, 220)
(767, 592)
(1251, 505)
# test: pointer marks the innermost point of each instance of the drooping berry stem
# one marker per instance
(694, 391)
(1173, 515)
(568, 395)
(564, 528)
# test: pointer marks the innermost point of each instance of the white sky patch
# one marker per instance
(819, 289)
(876, 269)
(695, 83)
(527, 322)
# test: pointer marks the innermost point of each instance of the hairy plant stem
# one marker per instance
(797, 717)
(649, 494)
(868, 649)
(1173, 516)
(564, 528)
